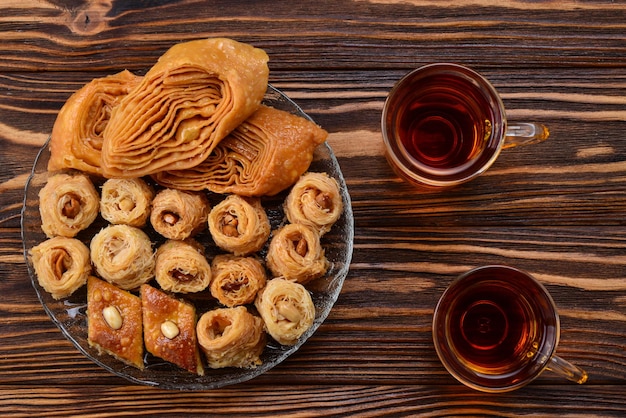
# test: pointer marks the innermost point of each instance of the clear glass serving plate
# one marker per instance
(70, 314)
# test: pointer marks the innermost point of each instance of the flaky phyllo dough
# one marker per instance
(296, 254)
(314, 200)
(123, 256)
(77, 135)
(239, 225)
(62, 265)
(236, 280)
(287, 310)
(178, 214)
(68, 204)
(266, 154)
(169, 328)
(231, 337)
(182, 267)
(191, 99)
(114, 322)
(126, 201)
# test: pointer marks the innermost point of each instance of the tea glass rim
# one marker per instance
(405, 164)
(540, 366)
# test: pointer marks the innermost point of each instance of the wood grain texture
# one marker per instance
(315, 401)
(555, 209)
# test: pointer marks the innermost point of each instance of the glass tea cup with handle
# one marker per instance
(496, 329)
(444, 124)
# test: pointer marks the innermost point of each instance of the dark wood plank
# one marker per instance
(316, 35)
(330, 400)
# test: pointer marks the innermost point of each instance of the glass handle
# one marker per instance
(567, 370)
(525, 134)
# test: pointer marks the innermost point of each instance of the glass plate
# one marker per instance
(70, 314)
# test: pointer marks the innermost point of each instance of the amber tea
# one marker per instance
(497, 324)
(496, 328)
(444, 124)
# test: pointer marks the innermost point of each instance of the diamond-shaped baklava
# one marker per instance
(114, 322)
(170, 329)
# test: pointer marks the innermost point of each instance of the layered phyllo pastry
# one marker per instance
(178, 214)
(181, 266)
(68, 204)
(169, 328)
(239, 225)
(192, 98)
(114, 322)
(231, 337)
(295, 253)
(61, 265)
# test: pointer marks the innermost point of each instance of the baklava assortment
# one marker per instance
(162, 148)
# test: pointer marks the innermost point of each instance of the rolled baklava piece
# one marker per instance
(114, 322)
(169, 329)
(126, 201)
(231, 337)
(239, 225)
(191, 99)
(181, 266)
(61, 265)
(265, 155)
(76, 140)
(287, 310)
(295, 253)
(178, 214)
(236, 280)
(68, 203)
(314, 200)
(123, 256)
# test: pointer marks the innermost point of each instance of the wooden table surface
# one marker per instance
(556, 209)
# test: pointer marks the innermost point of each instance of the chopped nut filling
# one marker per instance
(170, 218)
(62, 263)
(301, 246)
(71, 205)
(324, 200)
(181, 276)
(229, 226)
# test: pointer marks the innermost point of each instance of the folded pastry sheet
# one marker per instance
(265, 154)
(77, 135)
(191, 99)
